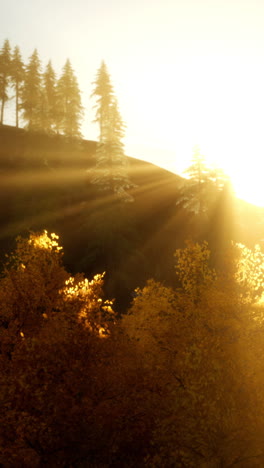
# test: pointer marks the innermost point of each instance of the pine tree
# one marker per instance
(111, 163)
(70, 109)
(5, 62)
(17, 77)
(198, 171)
(194, 193)
(202, 188)
(32, 93)
(103, 92)
(49, 99)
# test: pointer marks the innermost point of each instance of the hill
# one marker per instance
(46, 184)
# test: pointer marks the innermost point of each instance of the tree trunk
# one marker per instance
(17, 116)
(2, 109)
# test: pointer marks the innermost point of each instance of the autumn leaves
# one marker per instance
(176, 381)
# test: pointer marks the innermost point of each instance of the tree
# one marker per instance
(200, 346)
(111, 164)
(49, 99)
(193, 269)
(5, 72)
(103, 92)
(194, 192)
(32, 93)
(218, 177)
(70, 109)
(66, 371)
(201, 190)
(198, 171)
(17, 77)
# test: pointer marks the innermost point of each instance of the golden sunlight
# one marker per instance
(246, 174)
(248, 185)
(204, 103)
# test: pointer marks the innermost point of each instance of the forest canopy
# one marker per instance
(175, 381)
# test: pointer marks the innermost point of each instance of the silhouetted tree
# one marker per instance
(49, 98)
(17, 77)
(5, 61)
(32, 93)
(70, 109)
(202, 188)
(218, 177)
(198, 173)
(111, 163)
(103, 92)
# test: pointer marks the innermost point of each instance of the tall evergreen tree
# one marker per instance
(103, 92)
(17, 77)
(49, 99)
(111, 162)
(202, 188)
(194, 193)
(5, 62)
(32, 93)
(70, 109)
(198, 171)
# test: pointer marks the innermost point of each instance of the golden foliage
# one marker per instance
(178, 381)
(193, 268)
(65, 394)
(250, 272)
(35, 287)
(201, 345)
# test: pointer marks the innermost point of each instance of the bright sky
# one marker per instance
(185, 72)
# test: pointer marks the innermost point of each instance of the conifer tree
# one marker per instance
(69, 102)
(5, 62)
(202, 188)
(49, 99)
(17, 77)
(194, 193)
(198, 171)
(103, 92)
(111, 163)
(32, 93)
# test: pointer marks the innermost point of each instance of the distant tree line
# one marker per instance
(43, 101)
(53, 105)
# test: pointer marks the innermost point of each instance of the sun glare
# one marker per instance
(248, 185)
(206, 102)
(242, 164)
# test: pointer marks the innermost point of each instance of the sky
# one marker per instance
(185, 73)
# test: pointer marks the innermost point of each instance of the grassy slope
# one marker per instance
(45, 184)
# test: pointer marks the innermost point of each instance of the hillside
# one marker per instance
(45, 184)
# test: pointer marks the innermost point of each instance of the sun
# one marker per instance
(245, 173)
(207, 100)
(248, 185)
(242, 164)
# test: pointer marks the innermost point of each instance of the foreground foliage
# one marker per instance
(202, 344)
(68, 396)
(177, 382)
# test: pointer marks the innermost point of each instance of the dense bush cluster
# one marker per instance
(176, 382)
